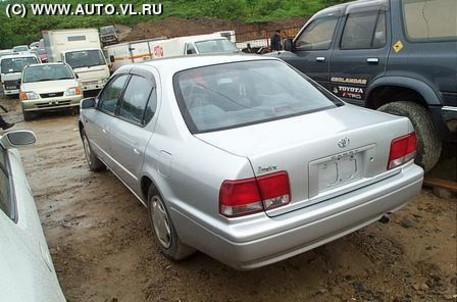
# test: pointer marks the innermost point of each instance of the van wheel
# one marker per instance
(428, 141)
(28, 116)
(164, 231)
(94, 163)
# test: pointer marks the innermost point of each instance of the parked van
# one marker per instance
(11, 67)
(132, 52)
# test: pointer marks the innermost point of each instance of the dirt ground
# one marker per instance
(103, 249)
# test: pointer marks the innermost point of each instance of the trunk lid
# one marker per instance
(325, 153)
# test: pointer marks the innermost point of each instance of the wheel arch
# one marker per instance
(387, 89)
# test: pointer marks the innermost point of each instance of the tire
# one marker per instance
(28, 116)
(94, 163)
(428, 142)
(164, 231)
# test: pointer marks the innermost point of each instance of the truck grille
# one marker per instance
(51, 95)
(9, 85)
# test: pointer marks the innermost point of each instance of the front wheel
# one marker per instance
(428, 142)
(169, 243)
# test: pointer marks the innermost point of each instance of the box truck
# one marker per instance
(81, 49)
(137, 51)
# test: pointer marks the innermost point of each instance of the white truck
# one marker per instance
(81, 49)
(138, 51)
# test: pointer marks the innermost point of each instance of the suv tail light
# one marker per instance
(402, 150)
(252, 195)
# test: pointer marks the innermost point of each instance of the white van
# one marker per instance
(132, 52)
(11, 67)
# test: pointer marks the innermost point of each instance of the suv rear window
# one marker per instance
(430, 20)
(232, 95)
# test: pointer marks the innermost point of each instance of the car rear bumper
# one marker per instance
(51, 103)
(265, 240)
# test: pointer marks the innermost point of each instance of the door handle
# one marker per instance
(320, 59)
(104, 130)
(373, 60)
(135, 150)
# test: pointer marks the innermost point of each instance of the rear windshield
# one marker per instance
(215, 46)
(12, 65)
(242, 93)
(45, 72)
(85, 58)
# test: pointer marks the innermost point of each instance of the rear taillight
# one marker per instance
(252, 195)
(402, 150)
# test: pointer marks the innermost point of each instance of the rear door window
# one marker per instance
(364, 30)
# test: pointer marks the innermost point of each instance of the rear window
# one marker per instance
(236, 94)
(430, 20)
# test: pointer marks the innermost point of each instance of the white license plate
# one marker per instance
(338, 171)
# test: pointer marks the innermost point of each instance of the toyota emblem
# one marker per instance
(344, 142)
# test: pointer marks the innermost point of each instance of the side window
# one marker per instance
(151, 108)
(135, 100)
(6, 202)
(111, 93)
(430, 20)
(364, 31)
(190, 49)
(317, 35)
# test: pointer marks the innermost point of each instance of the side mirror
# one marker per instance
(87, 103)
(17, 138)
(111, 59)
(289, 45)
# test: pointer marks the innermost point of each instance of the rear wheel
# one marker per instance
(169, 243)
(94, 163)
(428, 141)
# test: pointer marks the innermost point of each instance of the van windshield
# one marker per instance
(216, 46)
(12, 65)
(85, 58)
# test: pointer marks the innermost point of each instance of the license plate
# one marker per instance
(91, 83)
(338, 171)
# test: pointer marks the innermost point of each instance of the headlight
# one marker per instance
(73, 91)
(28, 95)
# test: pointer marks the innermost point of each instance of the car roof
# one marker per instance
(21, 55)
(178, 63)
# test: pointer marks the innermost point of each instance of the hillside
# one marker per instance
(205, 15)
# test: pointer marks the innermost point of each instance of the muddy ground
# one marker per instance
(103, 249)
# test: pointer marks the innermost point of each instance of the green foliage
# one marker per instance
(16, 31)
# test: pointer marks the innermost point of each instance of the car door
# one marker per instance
(361, 52)
(313, 47)
(130, 131)
(98, 122)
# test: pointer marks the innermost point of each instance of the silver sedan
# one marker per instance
(246, 159)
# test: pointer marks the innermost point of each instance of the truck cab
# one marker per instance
(90, 66)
